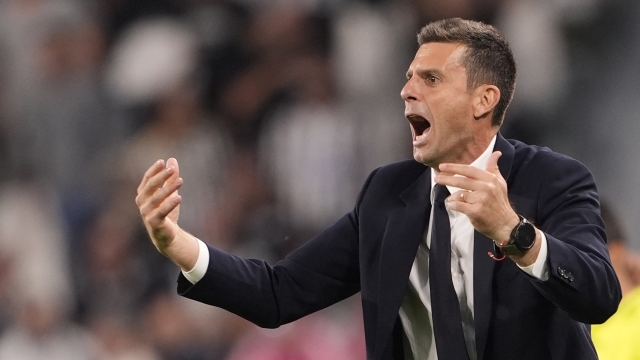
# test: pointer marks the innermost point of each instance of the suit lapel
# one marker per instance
(482, 264)
(404, 231)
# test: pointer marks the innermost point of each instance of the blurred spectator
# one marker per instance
(617, 339)
(370, 54)
(537, 33)
(118, 15)
(39, 334)
(481, 10)
(57, 116)
(23, 27)
(117, 338)
(114, 276)
(625, 260)
(601, 116)
(261, 68)
(333, 334)
(32, 243)
(150, 59)
(179, 332)
(36, 285)
(154, 65)
(310, 151)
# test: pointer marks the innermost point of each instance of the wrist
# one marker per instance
(183, 250)
(530, 256)
(504, 235)
(163, 244)
(521, 239)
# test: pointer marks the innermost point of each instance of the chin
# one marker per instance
(421, 158)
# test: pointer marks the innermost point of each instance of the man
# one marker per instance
(617, 338)
(446, 297)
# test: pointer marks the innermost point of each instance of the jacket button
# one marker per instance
(565, 274)
(562, 272)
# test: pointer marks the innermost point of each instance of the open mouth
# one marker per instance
(419, 125)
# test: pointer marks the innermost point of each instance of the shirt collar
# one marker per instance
(480, 163)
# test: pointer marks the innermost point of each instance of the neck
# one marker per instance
(477, 145)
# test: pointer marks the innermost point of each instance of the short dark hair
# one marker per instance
(488, 59)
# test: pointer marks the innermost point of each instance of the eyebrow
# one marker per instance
(424, 73)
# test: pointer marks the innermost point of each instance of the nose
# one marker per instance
(408, 91)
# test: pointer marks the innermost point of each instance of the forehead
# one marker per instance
(440, 56)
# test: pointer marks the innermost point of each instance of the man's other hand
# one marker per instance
(159, 204)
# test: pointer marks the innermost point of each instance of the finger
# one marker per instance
(156, 181)
(460, 195)
(466, 170)
(454, 202)
(170, 189)
(148, 185)
(151, 171)
(458, 181)
(492, 163)
(173, 163)
(156, 218)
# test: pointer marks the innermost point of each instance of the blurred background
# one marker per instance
(277, 111)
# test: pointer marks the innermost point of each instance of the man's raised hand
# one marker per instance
(483, 197)
(159, 205)
(159, 202)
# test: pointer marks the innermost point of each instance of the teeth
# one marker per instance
(420, 137)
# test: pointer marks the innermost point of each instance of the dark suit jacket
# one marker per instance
(371, 250)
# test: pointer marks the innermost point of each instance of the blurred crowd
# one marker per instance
(276, 111)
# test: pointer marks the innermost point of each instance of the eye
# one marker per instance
(431, 79)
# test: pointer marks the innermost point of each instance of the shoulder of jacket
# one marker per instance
(408, 169)
(534, 155)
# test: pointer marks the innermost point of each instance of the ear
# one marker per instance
(485, 98)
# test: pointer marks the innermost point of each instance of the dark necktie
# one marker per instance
(445, 308)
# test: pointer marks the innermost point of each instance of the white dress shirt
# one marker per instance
(415, 311)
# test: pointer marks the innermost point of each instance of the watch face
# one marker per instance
(525, 235)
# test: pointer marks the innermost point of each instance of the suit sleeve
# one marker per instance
(320, 273)
(582, 281)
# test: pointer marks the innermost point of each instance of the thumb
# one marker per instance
(492, 163)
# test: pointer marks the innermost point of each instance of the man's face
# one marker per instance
(439, 106)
